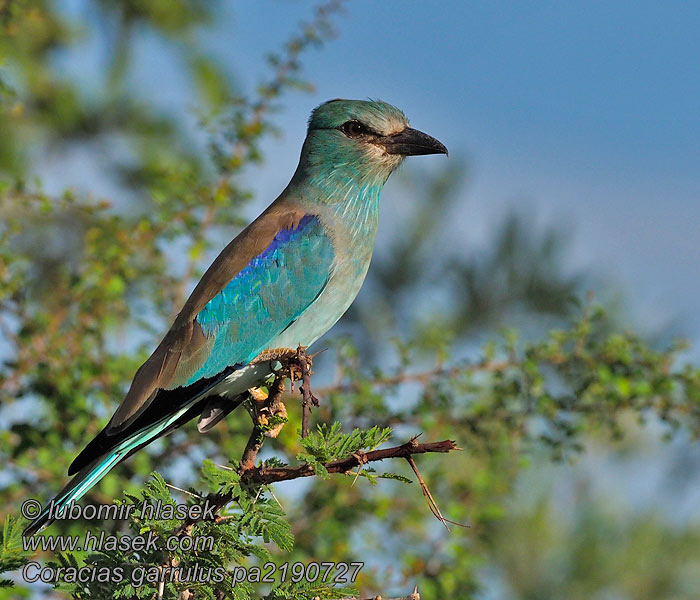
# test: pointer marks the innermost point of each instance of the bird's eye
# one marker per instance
(354, 128)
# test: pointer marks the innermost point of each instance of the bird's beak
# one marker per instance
(411, 142)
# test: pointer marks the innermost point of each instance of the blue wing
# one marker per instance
(266, 297)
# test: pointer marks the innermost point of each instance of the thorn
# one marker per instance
(432, 505)
(413, 441)
(315, 354)
(360, 461)
(225, 467)
(269, 489)
(183, 491)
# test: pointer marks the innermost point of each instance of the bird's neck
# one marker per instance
(350, 196)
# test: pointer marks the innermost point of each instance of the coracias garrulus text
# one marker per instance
(283, 282)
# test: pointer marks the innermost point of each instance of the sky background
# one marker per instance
(581, 114)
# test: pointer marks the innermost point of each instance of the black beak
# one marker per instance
(411, 142)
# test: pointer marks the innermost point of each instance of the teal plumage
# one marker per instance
(270, 294)
(284, 281)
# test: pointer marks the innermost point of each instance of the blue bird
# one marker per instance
(284, 281)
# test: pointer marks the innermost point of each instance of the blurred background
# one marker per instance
(137, 139)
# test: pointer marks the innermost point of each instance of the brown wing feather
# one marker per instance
(184, 348)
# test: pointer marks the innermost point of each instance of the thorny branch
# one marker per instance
(262, 475)
(308, 398)
(267, 475)
(265, 409)
(269, 414)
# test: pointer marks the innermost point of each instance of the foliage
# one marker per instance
(12, 555)
(205, 551)
(330, 443)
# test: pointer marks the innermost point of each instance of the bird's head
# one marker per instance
(362, 139)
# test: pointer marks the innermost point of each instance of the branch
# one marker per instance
(263, 409)
(266, 475)
(309, 399)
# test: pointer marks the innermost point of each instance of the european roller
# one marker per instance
(283, 281)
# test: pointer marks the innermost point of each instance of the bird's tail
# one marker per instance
(76, 489)
(89, 475)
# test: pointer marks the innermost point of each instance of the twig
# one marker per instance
(432, 505)
(269, 406)
(308, 399)
(255, 442)
(174, 487)
(264, 475)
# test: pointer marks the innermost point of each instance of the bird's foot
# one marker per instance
(283, 355)
(297, 366)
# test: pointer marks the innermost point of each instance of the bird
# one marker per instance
(284, 281)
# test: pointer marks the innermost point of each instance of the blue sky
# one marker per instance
(582, 114)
